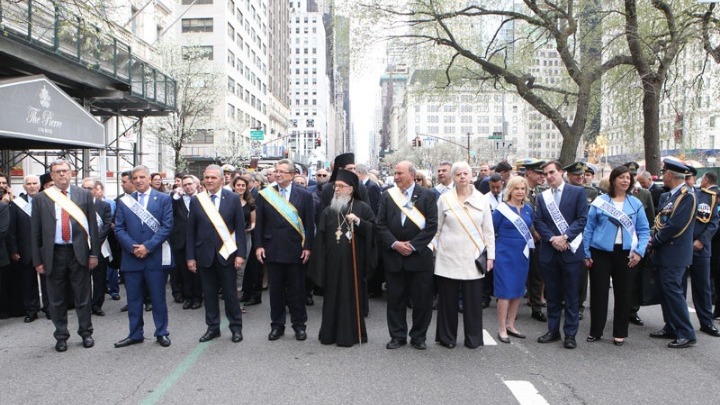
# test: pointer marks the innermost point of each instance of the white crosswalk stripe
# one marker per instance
(525, 393)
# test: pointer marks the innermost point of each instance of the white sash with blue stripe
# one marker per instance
(520, 225)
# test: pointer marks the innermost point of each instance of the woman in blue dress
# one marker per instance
(512, 220)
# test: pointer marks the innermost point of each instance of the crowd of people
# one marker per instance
(537, 230)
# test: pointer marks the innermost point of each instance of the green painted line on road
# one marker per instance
(159, 391)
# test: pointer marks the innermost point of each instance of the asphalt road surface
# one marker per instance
(257, 371)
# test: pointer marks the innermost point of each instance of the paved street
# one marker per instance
(291, 372)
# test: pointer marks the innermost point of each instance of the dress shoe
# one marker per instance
(580, 313)
(127, 342)
(515, 334)
(309, 301)
(716, 312)
(548, 337)
(164, 341)
(539, 315)
(662, 334)
(681, 343)
(237, 337)
(31, 317)
(711, 330)
(300, 334)
(634, 319)
(375, 294)
(210, 335)
(187, 305)
(570, 342)
(88, 342)
(592, 339)
(503, 339)
(448, 345)
(148, 307)
(124, 308)
(275, 333)
(47, 315)
(196, 305)
(420, 345)
(486, 304)
(244, 298)
(253, 301)
(61, 345)
(115, 297)
(98, 312)
(617, 342)
(178, 298)
(395, 343)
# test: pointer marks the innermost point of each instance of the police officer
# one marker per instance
(672, 241)
(706, 224)
(536, 180)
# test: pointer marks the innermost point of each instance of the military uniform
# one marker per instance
(534, 283)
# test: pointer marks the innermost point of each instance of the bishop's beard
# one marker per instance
(340, 203)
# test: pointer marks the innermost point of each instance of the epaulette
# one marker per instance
(708, 191)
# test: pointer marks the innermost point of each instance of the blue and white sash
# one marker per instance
(148, 219)
(23, 205)
(620, 216)
(558, 218)
(105, 248)
(520, 225)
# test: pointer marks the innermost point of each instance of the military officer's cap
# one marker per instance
(693, 170)
(228, 168)
(576, 168)
(532, 164)
(590, 168)
(675, 165)
(633, 166)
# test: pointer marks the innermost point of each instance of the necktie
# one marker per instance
(213, 197)
(556, 195)
(142, 199)
(65, 223)
(497, 198)
(403, 217)
(283, 192)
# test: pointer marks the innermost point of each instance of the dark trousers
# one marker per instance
(99, 279)
(636, 287)
(674, 307)
(287, 287)
(582, 295)
(447, 311)
(715, 269)
(605, 265)
(136, 283)
(488, 287)
(175, 273)
(67, 271)
(417, 286)
(534, 283)
(192, 289)
(252, 282)
(30, 290)
(562, 284)
(699, 272)
(214, 277)
(113, 280)
(44, 293)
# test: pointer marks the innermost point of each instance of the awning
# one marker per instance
(36, 114)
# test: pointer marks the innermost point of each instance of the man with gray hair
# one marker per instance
(373, 189)
(445, 181)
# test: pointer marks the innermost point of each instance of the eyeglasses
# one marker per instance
(283, 171)
(418, 179)
(89, 188)
(340, 186)
(321, 175)
(61, 171)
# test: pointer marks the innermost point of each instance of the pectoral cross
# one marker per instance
(338, 234)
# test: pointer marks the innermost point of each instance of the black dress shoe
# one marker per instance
(636, 320)
(539, 315)
(31, 317)
(148, 307)
(592, 339)
(210, 335)
(548, 337)
(515, 334)
(164, 341)
(275, 333)
(187, 304)
(309, 301)
(178, 299)
(681, 343)
(420, 345)
(394, 343)
(711, 330)
(448, 345)
(127, 342)
(253, 301)
(580, 314)
(88, 342)
(618, 342)
(61, 345)
(47, 315)
(662, 334)
(124, 308)
(196, 305)
(98, 312)
(503, 339)
(237, 337)
(244, 298)
(570, 342)
(300, 334)
(115, 297)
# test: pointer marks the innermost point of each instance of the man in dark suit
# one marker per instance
(20, 246)
(66, 250)
(99, 273)
(216, 248)
(673, 245)
(143, 222)
(373, 189)
(284, 230)
(4, 231)
(560, 251)
(190, 281)
(403, 238)
(645, 180)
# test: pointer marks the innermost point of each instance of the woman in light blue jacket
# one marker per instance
(615, 238)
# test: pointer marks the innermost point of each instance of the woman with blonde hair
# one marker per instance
(512, 220)
(465, 233)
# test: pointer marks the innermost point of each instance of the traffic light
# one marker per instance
(317, 142)
(419, 142)
(416, 142)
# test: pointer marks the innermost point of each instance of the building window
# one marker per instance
(189, 2)
(197, 25)
(201, 136)
(202, 51)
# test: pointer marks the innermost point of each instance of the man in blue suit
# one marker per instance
(673, 245)
(143, 222)
(559, 218)
(215, 246)
(284, 230)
